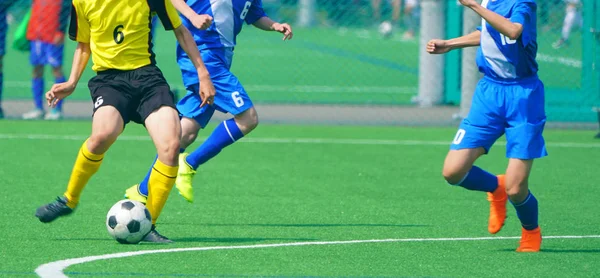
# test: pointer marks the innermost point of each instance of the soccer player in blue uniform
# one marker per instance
(216, 47)
(508, 100)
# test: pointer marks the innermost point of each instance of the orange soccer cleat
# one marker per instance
(531, 240)
(497, 200)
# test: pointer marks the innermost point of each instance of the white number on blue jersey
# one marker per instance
(460, 134)
(245, 11)
(237, 99)
(506, 40)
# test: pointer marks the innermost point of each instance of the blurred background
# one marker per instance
(362, 62)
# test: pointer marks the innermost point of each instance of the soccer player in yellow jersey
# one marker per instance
(128, 87)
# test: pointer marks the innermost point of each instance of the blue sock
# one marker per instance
(527, 211)
(143, 188)
(1, 85)
(60, 103)
(479, 180)
(224, 135)
(37, 86)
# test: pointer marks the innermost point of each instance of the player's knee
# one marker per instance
(57, 72)
(517, 190)
(187, 138)
(38, 71)
(168, 151)
(453, 174)
(100, 141)
(248, 120)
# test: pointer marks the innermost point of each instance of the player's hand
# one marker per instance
(437, 47)
(202, 21)
(285, 29)
(59, 91)
(207, 92)
(468, 3)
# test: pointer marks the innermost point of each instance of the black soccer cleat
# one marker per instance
(48, 213)
(154, 236)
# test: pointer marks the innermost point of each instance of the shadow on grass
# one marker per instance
(237, 239)
(198, 239)
(300, 225)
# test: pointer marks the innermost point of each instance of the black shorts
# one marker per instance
(134, 93)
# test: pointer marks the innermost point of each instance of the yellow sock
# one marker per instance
(162, 179)
(86, 165)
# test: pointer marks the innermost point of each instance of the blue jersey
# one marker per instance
(228, 18)
(502, 58)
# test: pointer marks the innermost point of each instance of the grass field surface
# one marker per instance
(318, 185)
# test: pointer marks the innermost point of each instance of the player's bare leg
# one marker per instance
(107, 124)
(247, 121)
(517, 188)
(459, 170)
(164, 128)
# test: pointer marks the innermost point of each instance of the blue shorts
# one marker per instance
(3, 29)
(43, 53)
(230, 97)
(514, 109)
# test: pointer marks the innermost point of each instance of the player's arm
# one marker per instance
(63, 90)
(187, 43)
(200, 21)
(511, 30)
(267, 24)
(79, 30)
(437, 46)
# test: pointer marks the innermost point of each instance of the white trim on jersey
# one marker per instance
(224, 22)
(492, 54)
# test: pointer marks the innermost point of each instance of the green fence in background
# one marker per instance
(345, 57)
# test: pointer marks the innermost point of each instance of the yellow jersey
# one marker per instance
(119, 31)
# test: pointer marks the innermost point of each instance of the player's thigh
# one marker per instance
(189, 107)
(189, 131)
(107, 124)
(165, 130)
(158, 112)
(516, 178)
(526, 119)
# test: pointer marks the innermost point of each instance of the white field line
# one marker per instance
(55, 269)
(565, 61)
(407, 90)
(268, 140)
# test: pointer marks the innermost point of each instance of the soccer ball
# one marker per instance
(385, 29)
(128, 221)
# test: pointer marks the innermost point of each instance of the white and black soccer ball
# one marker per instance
(128, 221)
(385, 29)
